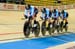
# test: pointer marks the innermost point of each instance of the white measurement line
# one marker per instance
(60, 39)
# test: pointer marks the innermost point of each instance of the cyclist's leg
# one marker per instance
(25, 16)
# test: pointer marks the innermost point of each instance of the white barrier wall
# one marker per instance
(4, 6)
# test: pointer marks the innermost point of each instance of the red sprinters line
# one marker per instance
(10, 33)
(12, 39)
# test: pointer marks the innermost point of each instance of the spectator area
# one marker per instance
(49, 2)
(39, 2)
(13, 1)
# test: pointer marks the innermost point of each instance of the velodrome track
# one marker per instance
(11, 25)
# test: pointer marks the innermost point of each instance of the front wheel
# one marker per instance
(26, 30)
(61, 26)
(66, 28)
(58, 28)
(43, 29)
(36, 30)
(27, 33)
(50, 28)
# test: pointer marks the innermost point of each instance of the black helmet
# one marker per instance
(44, 10)
(29, 5)
(54, 10)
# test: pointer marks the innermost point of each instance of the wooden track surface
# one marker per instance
(11, 23)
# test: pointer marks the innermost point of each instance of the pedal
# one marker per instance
(51, 26)
(35, 25)
(58, 24)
